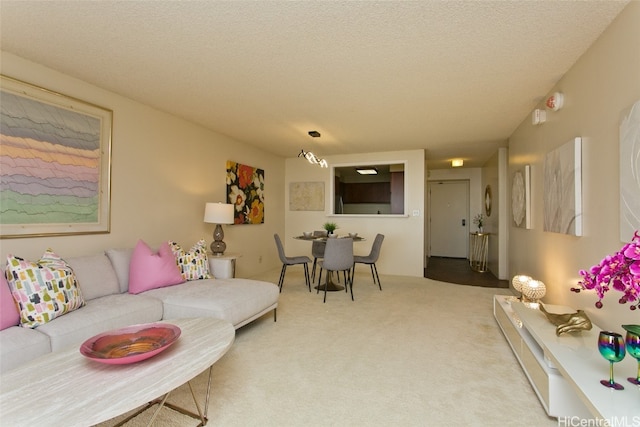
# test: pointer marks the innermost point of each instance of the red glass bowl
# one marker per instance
(131, 344)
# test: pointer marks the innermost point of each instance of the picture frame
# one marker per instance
(521, 198)
(55, 162)
(245, 190)
(562, 189)
(306, 196)
(630, 173)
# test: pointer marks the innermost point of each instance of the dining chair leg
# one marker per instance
(282, 272)
(326, 283)
(313, 274)
(351, 286)
(319, 281)
(306, 276)
(374, 268)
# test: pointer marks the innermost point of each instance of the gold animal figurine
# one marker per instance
(568, 322)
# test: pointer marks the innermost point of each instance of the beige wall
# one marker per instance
(402, 250)
(598, 89)
(164, 170)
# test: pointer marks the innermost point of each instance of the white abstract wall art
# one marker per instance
(630, 173)
(521, 198)
(563, 189)
(306, 196)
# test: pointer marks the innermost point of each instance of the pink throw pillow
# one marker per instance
(9, 314)
(150, 270)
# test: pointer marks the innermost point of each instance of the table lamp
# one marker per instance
(518, 282)
(218, 213)
(533, 291)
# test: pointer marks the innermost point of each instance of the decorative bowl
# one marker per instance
(307, 233)
(353, 235)
(130, 344)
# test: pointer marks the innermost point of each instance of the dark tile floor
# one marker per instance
(457, 270)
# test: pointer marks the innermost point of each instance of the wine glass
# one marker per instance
(611, 347)
(632, 340)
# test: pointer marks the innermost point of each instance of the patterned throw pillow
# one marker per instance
(43, 290)
(194, 264)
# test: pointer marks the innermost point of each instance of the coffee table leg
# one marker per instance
(162, 402)
(202, 416)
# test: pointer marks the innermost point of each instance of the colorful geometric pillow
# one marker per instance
(194, 264)
(43, 290)
(149, 270)
(9, 314)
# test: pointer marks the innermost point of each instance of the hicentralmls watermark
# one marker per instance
(599, 422)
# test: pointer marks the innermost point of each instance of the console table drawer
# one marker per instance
(513, 337)
(537, 374)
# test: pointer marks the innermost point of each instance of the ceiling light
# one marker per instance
(314, 133)
(456, 163)
(313, 159)
(367, 171)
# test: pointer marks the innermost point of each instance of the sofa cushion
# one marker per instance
(234, 300)
(20, 345)
(193, 264)
(43, 290)
(149, 270)
(96, 276)
(9, 315)
(120, 260)
(101, 315)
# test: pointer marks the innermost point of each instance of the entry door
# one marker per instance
(449, 214)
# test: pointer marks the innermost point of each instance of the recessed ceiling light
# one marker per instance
(456, 163)
(367, 171)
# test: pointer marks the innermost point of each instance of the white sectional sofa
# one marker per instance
(104, 282)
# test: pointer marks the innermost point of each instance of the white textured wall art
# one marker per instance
(630, 174)
(306, 196)
(563, 189)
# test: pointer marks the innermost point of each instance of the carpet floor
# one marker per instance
(418, 353)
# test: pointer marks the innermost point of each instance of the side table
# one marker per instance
(478, 251)
(223, 266)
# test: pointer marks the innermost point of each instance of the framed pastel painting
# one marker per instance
(55, 163)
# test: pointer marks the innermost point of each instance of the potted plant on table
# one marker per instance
(330, 227)
(479, 221)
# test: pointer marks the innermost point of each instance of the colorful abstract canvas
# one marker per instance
(245, 190)
(54, 163)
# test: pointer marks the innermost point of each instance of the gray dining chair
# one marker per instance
(338, 257)
(317, 251)
(370, 259)
(287, 261)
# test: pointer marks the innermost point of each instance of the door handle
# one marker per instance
(464, 222)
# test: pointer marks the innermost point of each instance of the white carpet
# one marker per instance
(417, 353)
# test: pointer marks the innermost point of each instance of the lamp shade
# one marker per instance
(518, 281)
(218, 213)
(533, 290)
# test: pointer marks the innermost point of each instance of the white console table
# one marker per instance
(565, 371)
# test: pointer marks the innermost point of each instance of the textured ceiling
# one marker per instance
(453, 77)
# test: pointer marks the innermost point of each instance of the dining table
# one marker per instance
(331, 285)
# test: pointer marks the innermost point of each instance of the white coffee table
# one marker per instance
(65, 388)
